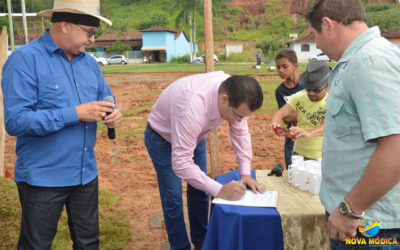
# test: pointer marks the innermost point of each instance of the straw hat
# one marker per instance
(85, 7)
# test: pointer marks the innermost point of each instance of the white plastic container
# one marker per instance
(305, 175)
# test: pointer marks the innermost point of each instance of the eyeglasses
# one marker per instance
(90, 33)
(317, 90)
(238, 117)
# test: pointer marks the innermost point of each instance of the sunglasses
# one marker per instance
(317, 90)
(89, 33)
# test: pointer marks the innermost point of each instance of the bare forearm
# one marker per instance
(292, 118)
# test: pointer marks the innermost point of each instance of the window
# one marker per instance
(305, 47)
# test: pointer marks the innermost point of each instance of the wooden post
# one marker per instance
(10, 25)
(3, 57)
(24, 21)
(209, 44)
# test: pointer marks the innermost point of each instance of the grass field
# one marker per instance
(230, 68)
(114, 230)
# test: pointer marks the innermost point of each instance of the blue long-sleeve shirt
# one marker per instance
(41, 89)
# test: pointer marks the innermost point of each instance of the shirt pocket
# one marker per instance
(338, 118)
(52, 92)
(88, 91)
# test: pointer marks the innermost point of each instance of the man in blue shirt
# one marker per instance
(360, 153)
(53, 97)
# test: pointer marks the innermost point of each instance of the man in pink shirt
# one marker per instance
(186, 111)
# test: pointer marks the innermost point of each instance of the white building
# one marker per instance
(305, 48)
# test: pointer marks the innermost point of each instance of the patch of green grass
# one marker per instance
(269, 102)
(233, 69)
(150, 101)
(10, 214)
(152, 92)
(101, 127)
(229, 68)
(114, 229)
(135, 111)
(138, 131)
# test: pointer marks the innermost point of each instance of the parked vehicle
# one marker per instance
(202, 58)
(100, 60)
(319, 57)
(118, 59)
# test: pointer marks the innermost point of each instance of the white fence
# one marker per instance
(133, 56)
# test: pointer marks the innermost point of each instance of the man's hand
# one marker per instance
(114, 119)
(340, 226)
(93, 111)
(253, 184)
(300, 133)
(232, 191)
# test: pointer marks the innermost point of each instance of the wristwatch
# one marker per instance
(345, 210)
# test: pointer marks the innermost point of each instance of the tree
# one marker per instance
(269, 48)
(187, 10)
(118, 46)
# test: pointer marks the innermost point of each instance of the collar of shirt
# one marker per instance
(52, 47)
(358, 43)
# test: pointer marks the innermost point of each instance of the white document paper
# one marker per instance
(267, 199)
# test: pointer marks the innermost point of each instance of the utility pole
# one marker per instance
(3, 57)
(194, 37)
(24, 21)
(10, 24)
(191, 39)
(209, 43)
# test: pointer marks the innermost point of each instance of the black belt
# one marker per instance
(152, 130)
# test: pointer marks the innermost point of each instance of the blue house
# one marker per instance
(162, 45)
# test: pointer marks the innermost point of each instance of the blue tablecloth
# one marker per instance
(243, 228)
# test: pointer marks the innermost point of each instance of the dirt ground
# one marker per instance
(126, 169)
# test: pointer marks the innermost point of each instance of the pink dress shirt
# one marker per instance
(184, 114)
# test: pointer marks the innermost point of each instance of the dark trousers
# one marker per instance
(170, 187)
(288, 151)
(41, 210)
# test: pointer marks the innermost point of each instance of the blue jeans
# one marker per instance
(41, 210)
(170, 187)
(383, 233)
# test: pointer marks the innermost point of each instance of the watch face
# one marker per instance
(343, 209)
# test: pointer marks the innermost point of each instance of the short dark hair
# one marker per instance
(242, 89)
(342, 11)
(288, 54)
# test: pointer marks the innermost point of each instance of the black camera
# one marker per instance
(277, 170)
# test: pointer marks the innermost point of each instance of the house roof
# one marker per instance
(106, 44)
(130, 37)
(122, 36)
(178, 33)
(157, 28)
(309, 38)
(390, 33)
